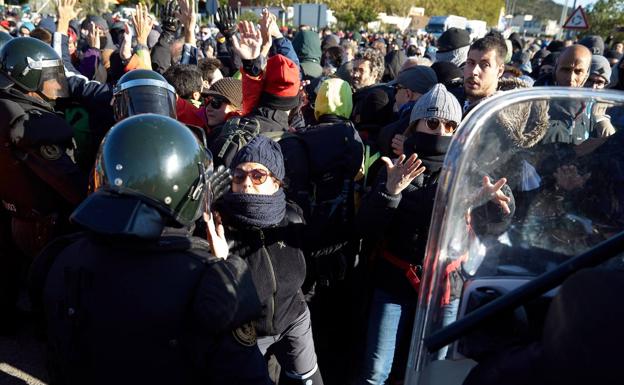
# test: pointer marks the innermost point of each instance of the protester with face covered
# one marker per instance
(266, 232)
(404, 194)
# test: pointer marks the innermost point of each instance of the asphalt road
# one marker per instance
(22, 356)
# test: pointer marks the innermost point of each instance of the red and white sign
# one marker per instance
(577, 20)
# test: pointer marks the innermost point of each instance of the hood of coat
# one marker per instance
(307, 45)
(525, 124)
(334, 97)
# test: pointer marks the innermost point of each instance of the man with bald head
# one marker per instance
(573, 121)
(572, 69)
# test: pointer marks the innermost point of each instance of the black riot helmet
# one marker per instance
(33, 66)
(150, 172)
(143, 91)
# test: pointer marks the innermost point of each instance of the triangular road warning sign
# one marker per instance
(577, 20)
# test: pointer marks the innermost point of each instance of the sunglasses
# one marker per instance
(449, 125)
(257, 176)
(215, 103)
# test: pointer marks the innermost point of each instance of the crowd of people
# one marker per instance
(191, 205)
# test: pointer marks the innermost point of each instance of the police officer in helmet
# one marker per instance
(40, 183)
(143, 91)
(136, 298)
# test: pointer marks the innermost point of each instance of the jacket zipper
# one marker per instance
(273, 282)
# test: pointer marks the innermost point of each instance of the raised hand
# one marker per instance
(67, 11)
(568, 178)
(494, 193)
(225, 20)
(125, 48)
(215, 235)
(249, 45)
(397, 144)
(219, 182)
(402, 172)
(142, 23)
(189, 19)
(169, 17)
(93, 36)
(265, 24)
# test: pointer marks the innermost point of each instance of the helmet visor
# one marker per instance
(53, 83)
(143, 100)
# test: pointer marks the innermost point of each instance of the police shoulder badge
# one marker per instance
(245, 335)
(50, 152)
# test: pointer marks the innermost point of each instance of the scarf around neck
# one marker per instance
(255, 210)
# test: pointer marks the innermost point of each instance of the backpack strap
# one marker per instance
(276, 136)
(369, 159)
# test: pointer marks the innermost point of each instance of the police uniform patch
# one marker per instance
(245, 335)
(50, 152)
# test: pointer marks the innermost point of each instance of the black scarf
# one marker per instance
(431, 149)
(254, 209)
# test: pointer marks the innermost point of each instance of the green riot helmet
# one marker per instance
(4, 38)
(143, 91)
(158, 160)
(34, 66)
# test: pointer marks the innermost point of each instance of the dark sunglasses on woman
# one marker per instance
(449, 125)
(213, 102)
(258, 176)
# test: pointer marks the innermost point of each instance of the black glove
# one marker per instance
(168, 17)
(219, 182)
(225, 20)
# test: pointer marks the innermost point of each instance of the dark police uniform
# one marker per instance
(136, 299)
(161, 312)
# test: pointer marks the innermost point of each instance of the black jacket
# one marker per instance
(278, 268)
(159, 312)
(400, 223)
(37, 173)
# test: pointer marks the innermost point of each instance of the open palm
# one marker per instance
(249, 44)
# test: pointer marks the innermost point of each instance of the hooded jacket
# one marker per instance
(308, 48)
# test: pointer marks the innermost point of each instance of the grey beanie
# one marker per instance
(600, 66)
(594, 43)
(264, 151)
(437, 103)
(417, 78)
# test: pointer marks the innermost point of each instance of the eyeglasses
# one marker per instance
(449, 125)
(215, 103)
(257, 175)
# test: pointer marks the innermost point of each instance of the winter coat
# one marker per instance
(278, 268)
(400, 224)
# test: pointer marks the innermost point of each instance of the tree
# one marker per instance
(352, 14)
(605, 16)
(93, 7)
